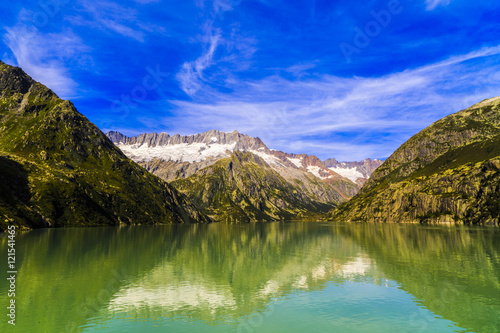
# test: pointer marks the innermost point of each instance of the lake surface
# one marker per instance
(272, 277)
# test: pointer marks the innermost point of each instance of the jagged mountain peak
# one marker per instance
(206, 148)
(211, 137)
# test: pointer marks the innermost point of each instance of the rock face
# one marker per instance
(447, 173)
(241, 141)
(244, 188)
(58, 169)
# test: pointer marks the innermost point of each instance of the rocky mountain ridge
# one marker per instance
(241, 141)
(201, 150)
(186, 160)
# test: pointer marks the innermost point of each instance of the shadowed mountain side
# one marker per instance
(15, 193)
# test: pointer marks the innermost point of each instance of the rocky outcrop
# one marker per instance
(447, 173)
(241, 141)
(171, 170)
(320, 190)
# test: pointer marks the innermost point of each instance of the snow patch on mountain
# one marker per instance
(182, 152)
(315, 171)
(214, 145)
(350, 173)
(296, 161)
(270, 159)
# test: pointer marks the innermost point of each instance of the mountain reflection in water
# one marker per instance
(82, 279)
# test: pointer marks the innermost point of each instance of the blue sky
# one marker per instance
(344, 79)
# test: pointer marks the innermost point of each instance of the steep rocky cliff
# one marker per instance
(58, 169)
(449, 172)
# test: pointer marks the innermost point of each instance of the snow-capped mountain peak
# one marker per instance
(206, 148)
(190, 148)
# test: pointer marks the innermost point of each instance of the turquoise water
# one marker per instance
(272, 277)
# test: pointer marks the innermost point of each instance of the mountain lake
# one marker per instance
(259, 277)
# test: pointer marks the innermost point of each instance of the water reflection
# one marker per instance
(452, 271)
(70, 278)
(226, 271)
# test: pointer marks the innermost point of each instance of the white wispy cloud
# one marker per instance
(432, 4)
(299, 69)
(144, 2)
(191, 76)
(284, 112)
(218, 6)
(113, 17)
(222, 5)
(232, 53)
(45, 56)
(228, 48)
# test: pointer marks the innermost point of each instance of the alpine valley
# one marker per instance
(58, 169)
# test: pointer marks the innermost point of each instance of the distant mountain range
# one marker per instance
(302, 185)
(206, 148)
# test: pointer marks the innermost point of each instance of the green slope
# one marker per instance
(449, 172)
(58, 169)
(244, 188)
